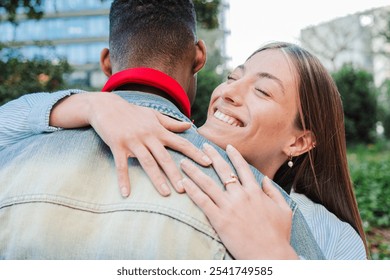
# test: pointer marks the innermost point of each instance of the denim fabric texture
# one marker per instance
(59, 199)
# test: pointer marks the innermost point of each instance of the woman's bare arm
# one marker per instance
(131, 131)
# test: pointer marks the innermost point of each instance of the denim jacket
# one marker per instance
(59, 199)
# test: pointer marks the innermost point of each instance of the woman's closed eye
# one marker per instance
(231, 78)
(263, 92)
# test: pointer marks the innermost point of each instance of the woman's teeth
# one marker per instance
(227, 119)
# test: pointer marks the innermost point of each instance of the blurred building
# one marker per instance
(78, 30)
(355, 39)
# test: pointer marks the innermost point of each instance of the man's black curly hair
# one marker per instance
(150, 31)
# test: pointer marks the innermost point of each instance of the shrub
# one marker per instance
(358, 92)
(208, 80)
(386, 125)
(21, 76)
(369, 166)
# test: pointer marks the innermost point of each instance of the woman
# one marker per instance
(272, 109)
(310, 125)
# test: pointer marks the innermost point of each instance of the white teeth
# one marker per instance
(227, 119)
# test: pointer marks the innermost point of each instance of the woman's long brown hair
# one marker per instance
(322, 174)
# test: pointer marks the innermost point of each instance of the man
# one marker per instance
(57, 198)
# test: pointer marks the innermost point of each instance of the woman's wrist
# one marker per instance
(73, 112)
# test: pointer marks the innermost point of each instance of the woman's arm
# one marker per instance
(252, 222)
(28, 115)
(129, 131)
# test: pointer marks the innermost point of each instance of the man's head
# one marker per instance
(155, 34)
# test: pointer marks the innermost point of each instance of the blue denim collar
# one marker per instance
(153, 101)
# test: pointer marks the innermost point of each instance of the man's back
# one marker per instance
(59, 200)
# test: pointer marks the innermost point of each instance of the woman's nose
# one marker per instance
(232, 94)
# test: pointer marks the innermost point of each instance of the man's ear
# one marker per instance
(301, 144)
(200, 56)
(105, 62)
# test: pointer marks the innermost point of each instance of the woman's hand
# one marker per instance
(131, 131)
(252, 222)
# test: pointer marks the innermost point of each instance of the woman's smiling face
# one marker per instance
(255, 110)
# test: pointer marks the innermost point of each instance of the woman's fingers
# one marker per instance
(122, 172)
(203, 181)
(150, 166)
(152, 169)
(272, 192)
(172, 124)
(200, 198)
(243, 170)
(222, 168)
(167, 164)
(182, 145)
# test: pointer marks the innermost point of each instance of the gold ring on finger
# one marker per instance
(233, 179)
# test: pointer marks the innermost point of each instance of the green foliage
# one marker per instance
(379, 243)
(358, 92)
(207, 13)
(386, 125)
(384, 107)
(208, 80)
(20, 76)
(369, 166)
(32, 8)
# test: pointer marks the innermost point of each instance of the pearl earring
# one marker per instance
(290, 163)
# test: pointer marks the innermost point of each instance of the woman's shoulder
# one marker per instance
(337, 239)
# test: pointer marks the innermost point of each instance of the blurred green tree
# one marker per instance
(10, 8)
(359, 97)
(208, 80)
(20, 76)
(386, 125)
(384, 106)
(207, 13)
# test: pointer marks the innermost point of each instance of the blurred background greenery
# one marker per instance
(369, 166)
(366, 105)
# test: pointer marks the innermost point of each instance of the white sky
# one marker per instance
(255, 22)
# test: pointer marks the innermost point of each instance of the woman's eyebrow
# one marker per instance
(272, 77)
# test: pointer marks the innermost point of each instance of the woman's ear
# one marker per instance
(200, 56)
(105, 62)
(303, 143)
